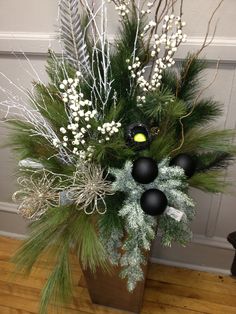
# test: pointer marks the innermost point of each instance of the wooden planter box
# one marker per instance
(110, 290)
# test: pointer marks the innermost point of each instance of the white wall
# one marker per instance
(31, 26)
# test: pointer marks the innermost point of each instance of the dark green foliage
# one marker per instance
(58, 69)
(213, 148)
(58, 232)
(49, 103)
(113, 153)
(110, 220)
(124, 47)
(199, 140)
(189, 80)
(169, 81)
(123, 51)
(210, 181)
(177, 232)
(162, 104)
(26, 143)
(184, 82)
(58, 288)
(214, 161)
(162, 146)
(205, 111)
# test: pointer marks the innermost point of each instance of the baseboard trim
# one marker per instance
(12, 235)
(189, 266)
(216, 242)
(151, 259)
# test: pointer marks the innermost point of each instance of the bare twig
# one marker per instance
(205, 44)
(193, 108)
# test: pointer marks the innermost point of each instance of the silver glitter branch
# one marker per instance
(97, 25)
(15, 108)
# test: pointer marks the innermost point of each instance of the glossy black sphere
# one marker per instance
(134, 129)
(145, 170)
(186, 162)
(153, 202)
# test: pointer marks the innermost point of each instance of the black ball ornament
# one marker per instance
(138, 136)
(145, 170)
(153, 202)
(186, 162)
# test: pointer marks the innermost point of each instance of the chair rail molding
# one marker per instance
(32, 43)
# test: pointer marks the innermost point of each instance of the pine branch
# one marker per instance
(111, 220)
(124, 50)
(25, 143)
(205, 111)
(189, 78)
(169, 80)
(58, 288)
(58, 232)
(214, 160)
(209, 181)
(48, 233)
(162, 145)
(157, 103)
(199, 140)
(72, 35)
(58, 69)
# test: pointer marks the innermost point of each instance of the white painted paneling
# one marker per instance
(20, 72)
(28, 15)
(203, 203)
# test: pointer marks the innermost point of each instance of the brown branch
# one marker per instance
(193, 108)
(205, 44)
(194, 56)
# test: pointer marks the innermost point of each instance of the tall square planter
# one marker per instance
(108, 289)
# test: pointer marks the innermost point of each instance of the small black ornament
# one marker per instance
(153, 202)
(186, 162)
(138, 136)
(145, 170)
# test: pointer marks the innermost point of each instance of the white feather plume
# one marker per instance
(72, 35)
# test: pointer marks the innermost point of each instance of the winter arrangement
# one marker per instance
(110, 146)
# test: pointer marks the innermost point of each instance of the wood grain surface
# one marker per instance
(168, 290)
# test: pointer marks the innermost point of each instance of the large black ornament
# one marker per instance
(138, 136)
(153, 202)
(145, 170)
(186, 162)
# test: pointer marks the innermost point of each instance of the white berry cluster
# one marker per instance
(141, 100)
(79, 128)
(69, 87)
(134, 68)
(149, 26)
(167, 43)
(122, 6)
(108, 129)
(79, 115)
(148, 10)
